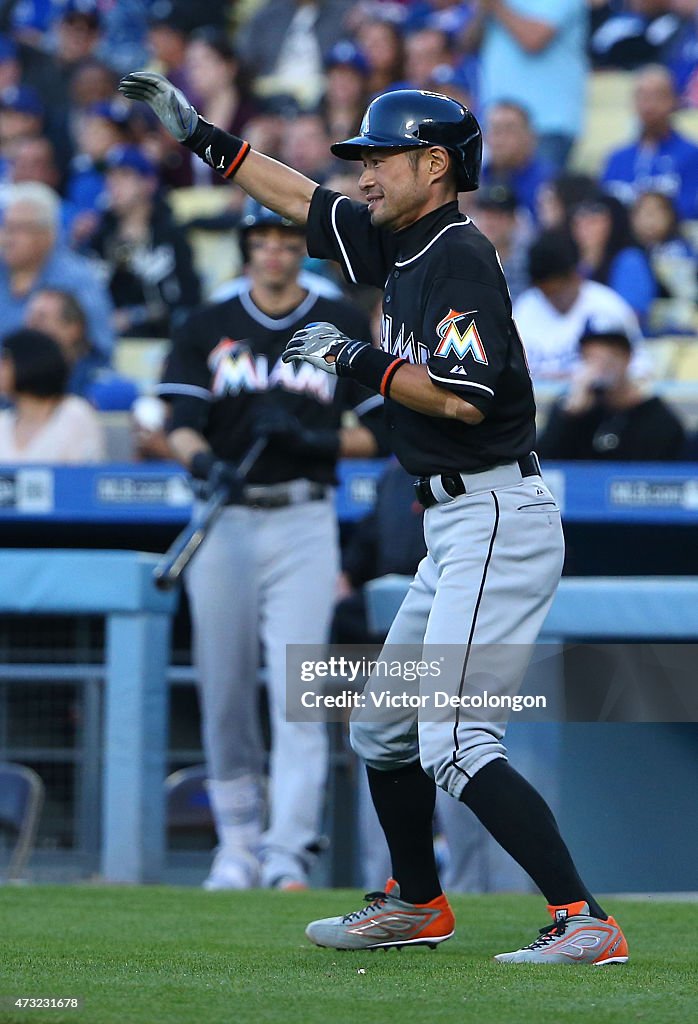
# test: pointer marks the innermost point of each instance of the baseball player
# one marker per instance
(271, 557)
(460, 404)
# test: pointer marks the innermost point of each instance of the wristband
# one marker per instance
(370, 366)
(220, 150)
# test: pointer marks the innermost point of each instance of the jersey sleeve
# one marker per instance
(186, 380)
(467, 328)
(340, 229)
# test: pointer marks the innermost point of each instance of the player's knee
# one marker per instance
(368, 741)
(452, 769)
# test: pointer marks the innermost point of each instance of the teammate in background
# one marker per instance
(460, 403)
(270, 563)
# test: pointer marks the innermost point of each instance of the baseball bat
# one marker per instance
(170, 567)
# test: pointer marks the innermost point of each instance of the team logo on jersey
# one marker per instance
(401, 344)
(460, 342)
(235, 368)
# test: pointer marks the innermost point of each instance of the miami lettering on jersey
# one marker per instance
(460, 342)
(406, 348)
(235, 368)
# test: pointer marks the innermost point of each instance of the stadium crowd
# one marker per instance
(111, 228)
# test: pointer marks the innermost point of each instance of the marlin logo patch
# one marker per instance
(453, 338)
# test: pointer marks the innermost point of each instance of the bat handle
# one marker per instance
(251, 455)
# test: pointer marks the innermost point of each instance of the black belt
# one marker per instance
(455, 484)
(282, 495)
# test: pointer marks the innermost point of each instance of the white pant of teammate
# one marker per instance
(494, 558)
(269, 575)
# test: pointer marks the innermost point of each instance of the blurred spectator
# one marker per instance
(306, 147)
(147, 257)
(60, 315)
(101, 128)
(681, 52)
(45, 424)
(73, 41)
(673, 261)
(92, 83)
(605, 415)
(551, 314)
(29, 20)
(124, 25)
(77, 31)
(266, 130)
(535, 51)
(609, 254)
(219, 89)
(35, 160)
(167, 42)
(346, 93)
(633, 34)
(284, 42)
(510, 154)
(660, 160)
(557, 199)
(450, 16)
(10, 68)
(32, 258)
(21, 117)
(496, 214)
(382, 42)
(426, 49)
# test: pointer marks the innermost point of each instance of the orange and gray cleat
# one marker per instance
(387, 922)
(574, 937)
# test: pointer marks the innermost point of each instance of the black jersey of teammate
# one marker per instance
(225, 368)
(446, 304)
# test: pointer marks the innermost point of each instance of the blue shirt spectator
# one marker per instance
(102, 127)
(33, 258)
(535, 51)
(510, 154)
(60, 315)
(660, 160)
(609, 254)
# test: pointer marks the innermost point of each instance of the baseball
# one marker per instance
(148, 412)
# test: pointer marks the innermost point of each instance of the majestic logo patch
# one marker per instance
(458, 341)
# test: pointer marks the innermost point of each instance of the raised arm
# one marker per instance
(270, 182)
(532, 34)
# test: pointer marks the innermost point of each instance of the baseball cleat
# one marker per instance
(574, 937)
(232, 870)
(290, 883)
(386, 923)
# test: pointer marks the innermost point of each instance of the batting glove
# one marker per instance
(290, 435)
(169, 104)
(315, 341)
(214, 474)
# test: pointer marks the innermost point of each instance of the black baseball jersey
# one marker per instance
(446, 304)
(225, 367)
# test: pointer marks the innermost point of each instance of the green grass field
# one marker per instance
(165, 956)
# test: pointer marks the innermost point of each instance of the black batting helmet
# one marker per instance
(413, 118)
(254, 215)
